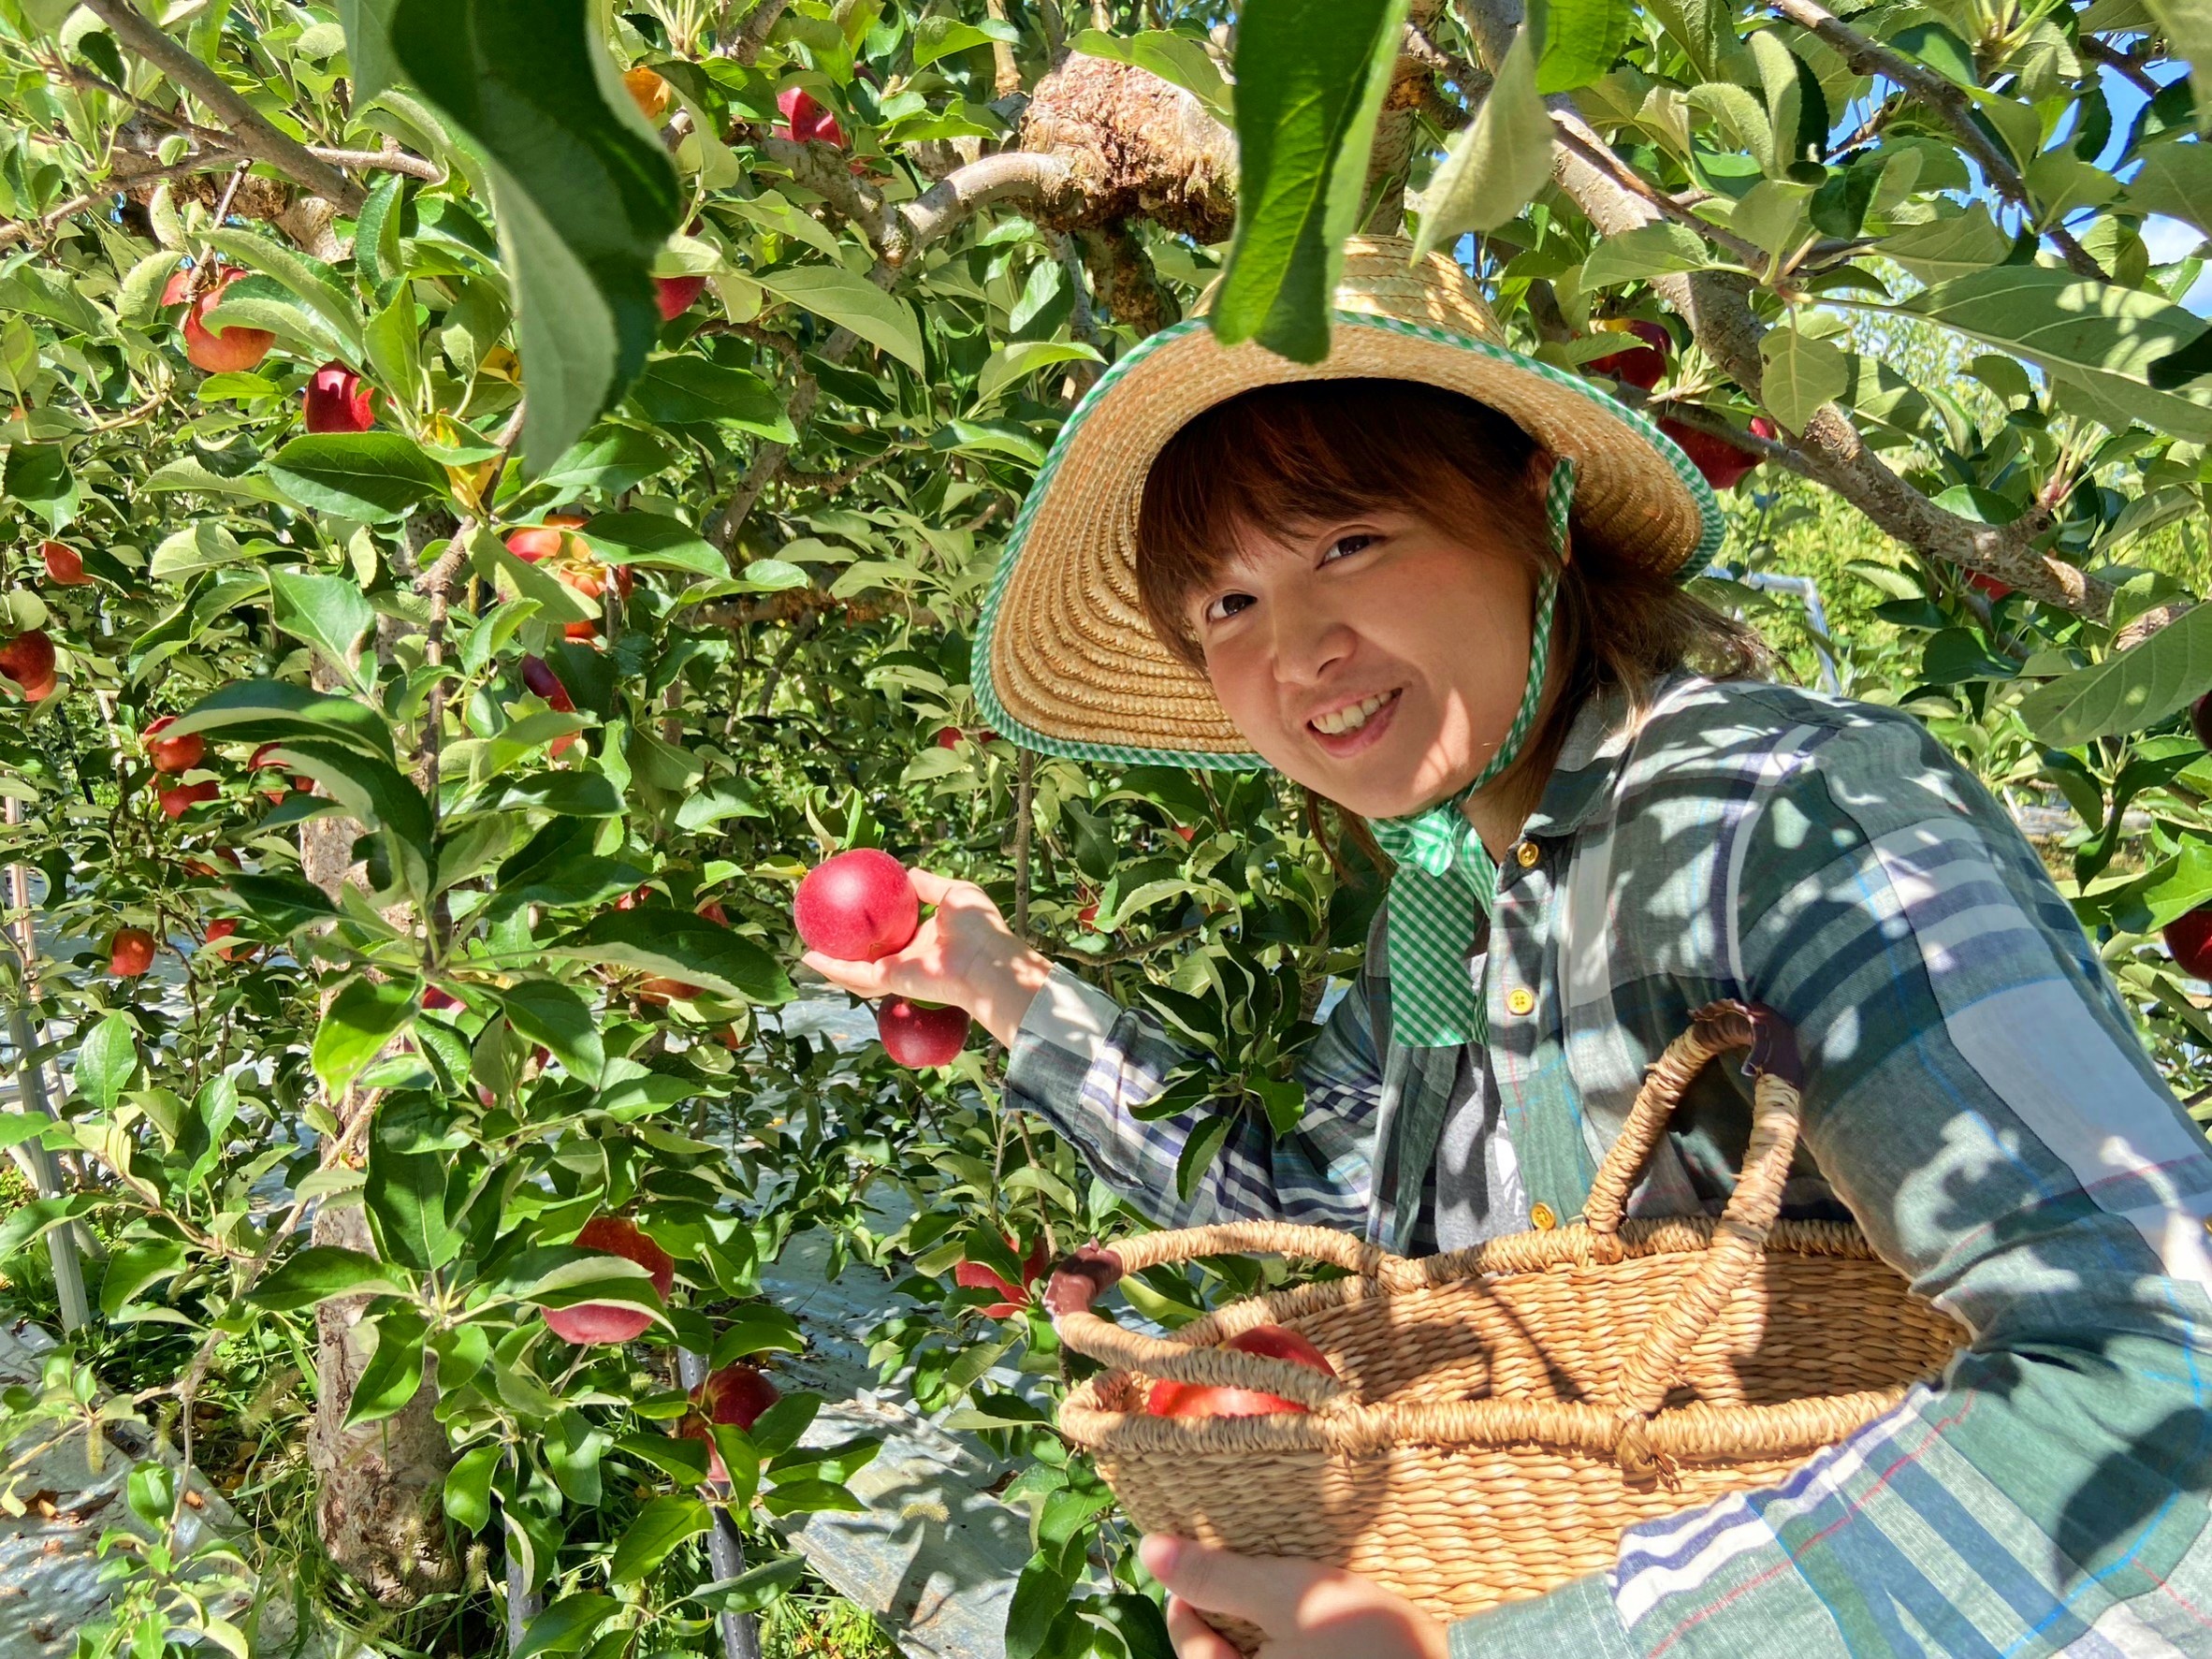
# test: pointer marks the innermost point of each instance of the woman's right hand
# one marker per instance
(963, 954)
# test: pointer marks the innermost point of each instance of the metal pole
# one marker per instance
(523, 1603)
(725, 1551)
(61, 1242)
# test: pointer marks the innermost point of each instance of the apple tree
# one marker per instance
(494, 492)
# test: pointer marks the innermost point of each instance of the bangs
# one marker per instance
(1279, 461)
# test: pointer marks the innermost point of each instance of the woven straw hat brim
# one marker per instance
(1067, 662)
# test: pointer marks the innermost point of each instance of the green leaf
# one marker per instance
(40, 292)
(1581, 39)
(405, 1194)
(653, 539)
(689, 390)
(329, 613)
(1947, 248)
(133, 1267)
(281, 903)
(611, 459)
(756, 1328)
(1198, 1152)
(374, 793)
(1800, 373)
(1311, 76)
(268, 711)
(1040, 1594)
(654, 1534)
(393, 1376)
(2103, 337)
(678, 945)
(368, 45)
(395, 351)
(566, 1626)
(1647, 251)
(754, 1589)
(585, 195)
(1496, 166)
(799, 1497)
(28, 1221)
(315, 283)
(940, 36)
(2187, 24)
(373, 476)
(2176, 181)
(317, 1273)
(468, 1487)
(362, 1018)
(556, 600)
(1012, 363)
(107, 1062)
(2128, 691)
(549, 1012)
(853, 302)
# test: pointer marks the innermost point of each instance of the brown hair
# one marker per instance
(1281, 458)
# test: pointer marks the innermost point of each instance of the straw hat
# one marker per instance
(1068, 663)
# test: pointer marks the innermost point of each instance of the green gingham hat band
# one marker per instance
(1446, 881)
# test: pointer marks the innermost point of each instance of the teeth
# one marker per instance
(1351, 718)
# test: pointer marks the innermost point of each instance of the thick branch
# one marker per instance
(757, 27)
(251, 131)
(1717, 308)
(1011, 175)
(1870, 57)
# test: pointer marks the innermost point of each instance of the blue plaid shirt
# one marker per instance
(1975, 1094)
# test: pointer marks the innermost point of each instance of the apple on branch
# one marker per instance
(232, 350)
(65, 565)
(735, 1394)
(603, 1321)
(130, 953)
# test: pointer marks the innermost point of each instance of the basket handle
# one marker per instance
(1739, 1237)
(1079, 1279)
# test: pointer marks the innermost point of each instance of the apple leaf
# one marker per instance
(2130, 690)
(318, 1272)
(584, 195)
(754, 1588)
(269, 711)
(394, 1371)
(329, 613)
(853, 302)
(567, 1624)
(1310, 77)
(676, 944)
(689, 390)
(373, 476)
(653, 539)
(549, 1012)
(654, 1535)
(468, 1487)
(1499, 162)
(361, 1019)
(108, 1061)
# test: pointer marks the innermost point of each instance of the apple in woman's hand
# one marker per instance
(916, 1035)
(734, 1394)
(1180, 1399)
(857, 906)
(602, 1321)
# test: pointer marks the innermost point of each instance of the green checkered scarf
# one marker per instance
(1447, 880)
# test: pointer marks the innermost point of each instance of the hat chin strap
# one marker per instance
(1446, 881)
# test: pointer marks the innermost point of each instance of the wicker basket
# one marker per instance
(1504, 1413)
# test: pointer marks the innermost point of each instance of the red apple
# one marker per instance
(1187, 834)
(805, 119)
(1088, 915)
(974, 1276)
(948, 737)
(218, 931)
(537, 674)
(1988, 585)
(434, 999)
(1723, 464)
(549, 540)
(678, 295)
(337, 401)
(712, 909)
(38, 690)
(178, 289)
(173, 754)
(2199, 719)
(1178, 1399)
(734, 1394)
(1639, 365)
(263, 759)
(917, 1035)
(28, 658)
(180, 798)
(857, 906)
(2190, 937)
(661, 992)
(65, 565)
(232, 349)
(602, 1321)
(130, 953)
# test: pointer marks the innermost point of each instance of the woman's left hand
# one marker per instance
(1308, 1612)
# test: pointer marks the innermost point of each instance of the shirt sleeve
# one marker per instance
(1976, 1094)
(1090, 1067)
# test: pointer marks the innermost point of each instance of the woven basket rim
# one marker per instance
(1697, 1431)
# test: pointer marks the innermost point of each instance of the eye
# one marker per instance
(1344, 546)
(1227, 605)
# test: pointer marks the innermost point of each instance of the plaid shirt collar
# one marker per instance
(1597, 743)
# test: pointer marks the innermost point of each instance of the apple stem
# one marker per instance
(725, 1551)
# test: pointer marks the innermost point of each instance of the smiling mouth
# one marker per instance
(1339, 721)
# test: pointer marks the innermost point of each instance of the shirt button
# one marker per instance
(1543, 1216)
(1521, 1000)
(1527, 854)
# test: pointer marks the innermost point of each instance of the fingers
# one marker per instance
(1263, 1589)
(1195, 1638)
(863, 979)
(930, 889)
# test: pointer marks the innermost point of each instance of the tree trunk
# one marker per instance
(379, 1505)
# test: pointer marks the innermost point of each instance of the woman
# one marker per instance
(1434, 583)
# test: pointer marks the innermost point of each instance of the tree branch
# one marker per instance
(252, 132)
(1870, 57)
(1014, 174)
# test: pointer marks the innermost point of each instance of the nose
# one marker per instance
(1311, 641)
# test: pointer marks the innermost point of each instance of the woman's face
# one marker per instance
(1378, 660)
